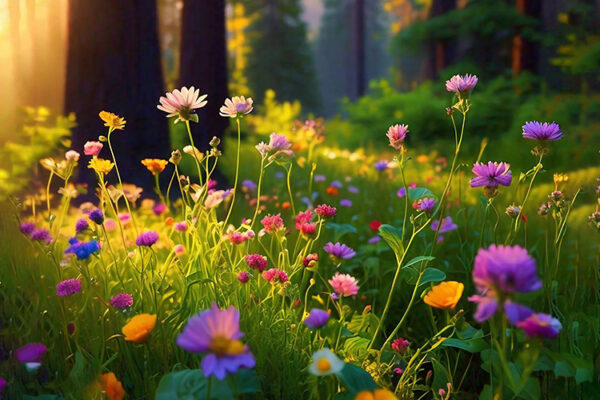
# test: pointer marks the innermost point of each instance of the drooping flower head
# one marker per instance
(121, 300)
(113, 121)
(396, 134)
(139, 327)
(68, 287)
(147, 238)
(461, 85)
(447, 225)
(339, 251)
(324, 362)
(344, 284)
(444, 295)
(236, 106)
(491, 175)
(155, 165)
(217, 333)
(316, 319)
(181, 103)
(542, 131)
(92, 148)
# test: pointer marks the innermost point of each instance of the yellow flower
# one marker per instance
(101, 165)
(155, 165)
(113, 121)
(112, 386)
(378, 394)
(139, 327)
(445, 295)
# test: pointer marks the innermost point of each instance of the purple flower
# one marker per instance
(396, 134)
(542, 131)
(27, 228)
(97, 216)
(159, 209)
(336, 184)
(316, 319)
(346, 203)
(339, 250)
(461, 84)
(81, 225)
(147, 238)
(381, 165)
(486, 306)
(68, 287)
(41, 235)
(491, 174)
(217, 332)
(508, 269)
(279, 175)
(31, 353)
(375, 239)
(447, 225)
(516, 312)
(121, 300)
(249, 184)
(243, 276)
(353, 189)
(540, 325)
(279, 142)
(2, 385)
(401, 192)
(181, 226)
(320, 178)
(425, 204)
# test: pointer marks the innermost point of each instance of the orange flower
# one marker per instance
(169, 221)
(378, 394)
(422, 158)
(113, 121)
(445, 295)
(285, 205)
(155, 165)
(139, 327)
(332, 191)
(111, 386)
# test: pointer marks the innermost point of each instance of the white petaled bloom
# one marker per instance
(263, 149)
(181, 103)
(72, 155)
(236, 106)
(324, 362)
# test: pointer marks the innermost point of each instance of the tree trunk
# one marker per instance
(440, 52)
(524, 54)
(203, 63)
(113, 64)
(359, 21)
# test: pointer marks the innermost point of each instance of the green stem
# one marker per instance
(237, 173)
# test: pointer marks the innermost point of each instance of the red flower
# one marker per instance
(374, 225)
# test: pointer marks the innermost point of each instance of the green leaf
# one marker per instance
(339, 230)
(245, 381)
(356, 379)
(191, 384)
(432, 275)
(357, 346)
(562, 368)
(415, 194)
(393, 237)
(471, 345)
(418, 260)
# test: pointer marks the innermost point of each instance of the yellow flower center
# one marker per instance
(222, 346)
(323, 365)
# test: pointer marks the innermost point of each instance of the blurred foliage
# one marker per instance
(274, 116)
(40, 136)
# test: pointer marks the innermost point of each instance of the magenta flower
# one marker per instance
(41, 235)
(338, 250)
(256, 261)
(425, 204)
(147, 238)
(304, 224)
(217, 333)
(27, 228)
(462, 85)
(326, 211)
(181, 226)
(243, 277)
(491, 175)
(344, 284)
(540, 325)
(181, 103)
(121, 300)
(316, 319)
(275, 275)
(396, 134)
(272, 223)
(447, 225)
(81, 225)
(31, 353)
(542, 131)
(400, 345)
(486, 306)
(68, 287)
(2, 385)
(159, 209)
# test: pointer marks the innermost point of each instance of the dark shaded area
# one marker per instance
(204, 64)
(113, 64)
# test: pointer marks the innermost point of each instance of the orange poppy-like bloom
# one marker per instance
(332, 190)
(112, 386)
(445, 295)
(101, 165)
(155, 165)
(378, 394)
(139, 327)
(285, 205)
(113, 121)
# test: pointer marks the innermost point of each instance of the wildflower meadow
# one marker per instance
(310, 272)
